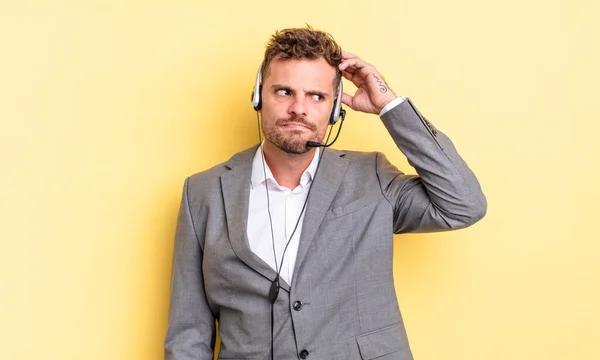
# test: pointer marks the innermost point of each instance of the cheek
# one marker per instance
(325, 116)
(273, 108)
(322, 128)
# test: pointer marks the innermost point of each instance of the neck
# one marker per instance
(287, 168)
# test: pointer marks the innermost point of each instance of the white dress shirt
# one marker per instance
(285, 205)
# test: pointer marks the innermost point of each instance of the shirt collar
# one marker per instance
(258, 175)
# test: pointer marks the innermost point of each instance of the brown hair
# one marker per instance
(303, 43)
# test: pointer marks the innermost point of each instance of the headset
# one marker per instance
(336, 112)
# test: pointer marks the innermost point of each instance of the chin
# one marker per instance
(296, 149)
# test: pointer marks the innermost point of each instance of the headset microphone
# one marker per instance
(311, 144)
(315, 144)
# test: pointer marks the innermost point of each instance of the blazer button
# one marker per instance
(297, 305)
(303, 354)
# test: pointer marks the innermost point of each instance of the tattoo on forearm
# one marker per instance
(381, 84)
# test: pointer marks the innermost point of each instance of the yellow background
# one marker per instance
(106, 106)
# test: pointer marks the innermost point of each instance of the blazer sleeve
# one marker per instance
(191, 330)
(445, 195)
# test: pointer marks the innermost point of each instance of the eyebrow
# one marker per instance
(315, 92)
(309, 92)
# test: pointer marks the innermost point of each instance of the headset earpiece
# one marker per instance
(256, 98)
(337, 105)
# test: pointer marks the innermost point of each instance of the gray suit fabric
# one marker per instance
(343, 271)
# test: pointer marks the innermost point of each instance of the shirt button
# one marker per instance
(297, 305)
(303, 354)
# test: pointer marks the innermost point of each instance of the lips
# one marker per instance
(296, 124)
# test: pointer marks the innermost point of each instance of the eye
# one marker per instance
(318, 97)
(283, 92)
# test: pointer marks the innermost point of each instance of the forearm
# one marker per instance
(447, 194)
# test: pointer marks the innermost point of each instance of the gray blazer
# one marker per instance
(342, 302)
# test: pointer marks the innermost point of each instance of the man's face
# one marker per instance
(297, 98)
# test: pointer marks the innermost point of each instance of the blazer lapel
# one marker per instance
(323, 189)
(235, 187)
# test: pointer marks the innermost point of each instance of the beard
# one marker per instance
(292, 142)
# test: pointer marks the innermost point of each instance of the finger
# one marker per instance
(347, 100)
(347, 55)
(347, 74)
(356, 80)
(356, 63)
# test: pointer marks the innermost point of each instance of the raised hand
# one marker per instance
(372, 92)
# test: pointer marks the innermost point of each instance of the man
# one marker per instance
(289, 246)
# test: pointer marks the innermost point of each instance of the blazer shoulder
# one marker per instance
(211, 176)
(207, 176)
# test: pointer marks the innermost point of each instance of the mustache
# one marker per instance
(296, 119)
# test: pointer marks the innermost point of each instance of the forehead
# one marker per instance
(301, 73)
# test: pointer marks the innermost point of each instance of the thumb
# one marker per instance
(348, 100)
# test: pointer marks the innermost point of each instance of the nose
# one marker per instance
(298, 106)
